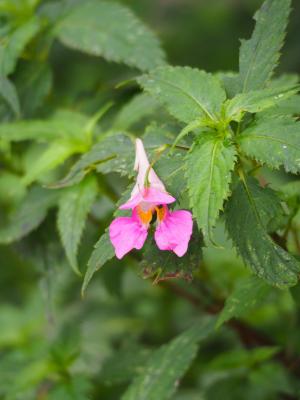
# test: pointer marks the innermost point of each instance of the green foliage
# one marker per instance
(112, 31)
(74, 207)
(167, 365)
(209, 166)
(256, 207)
(260, 54)
(274, 142)
(189, 94)
(247, 295)
(9, 94)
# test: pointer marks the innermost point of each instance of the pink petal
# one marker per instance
(127, 233)
(174, 232)
(149, 195)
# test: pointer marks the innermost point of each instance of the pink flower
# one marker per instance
(149, 196)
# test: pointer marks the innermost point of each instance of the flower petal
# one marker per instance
(127, 233)
(174, 232)
(149, 195)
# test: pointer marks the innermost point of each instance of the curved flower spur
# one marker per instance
(149, 197)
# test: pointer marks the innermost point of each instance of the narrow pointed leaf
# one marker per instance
(209, 166)
(9, 94)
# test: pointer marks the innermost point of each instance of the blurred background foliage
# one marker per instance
(54, 344)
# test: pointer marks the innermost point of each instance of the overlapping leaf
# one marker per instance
(248, 214)
(9, 94)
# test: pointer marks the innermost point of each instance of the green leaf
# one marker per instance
(256, 101)
(168, 364)
(9, 94)
(290, 106)
(248, 214)
(112, 31)
(188, 93)
(274, 142)
(12, 46)
(55, 154)
(29, 215)
(63, 124)
(209, 166)
(114, 153)
(102, 253)
(260, 54)
(74, 207)
(141, 106)
(248, 294)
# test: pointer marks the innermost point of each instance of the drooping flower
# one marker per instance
(149, 196)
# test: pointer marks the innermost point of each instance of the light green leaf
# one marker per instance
(12, 46)
(55, 154)
(29, 215)
(112, 154)
(9, 94)
(110, 30)
(260, 54)
(274, 142)
(248, 294)
(256, 101)
(63, 124)
(188, 93)
(74, 207)
(168, 364)
(141, 106)
(102, 253)
(209, 166)
(290, 106)
(248, 214)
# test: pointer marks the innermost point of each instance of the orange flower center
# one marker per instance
(144, 216)
(161, 213)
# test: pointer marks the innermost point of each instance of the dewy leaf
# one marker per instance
(188, 93)
(110, 30)
(274, 142)
(29, 215)
(74, 207)
(256, 101)
(248, 294)
(13, 45)
(209, 166)
(102, 253)
(248, 214)
(260, 54)
(168, 364)
(9, 94)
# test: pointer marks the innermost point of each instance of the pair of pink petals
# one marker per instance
(149, 196)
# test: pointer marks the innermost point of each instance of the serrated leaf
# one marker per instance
(274, 142)
(209, 166)
(289, 106)
(102, 253)
(63, 124)
(29, 215)
(110, 30)
(168, 364)
(112, 154)
(9, 94)
(74, 207)
(260, 54)
(188, 93)
(248, 214)
(256, 101)
(55, 154)
(13, 45)
(248, 294)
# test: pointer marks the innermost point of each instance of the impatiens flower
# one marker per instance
(149, 196)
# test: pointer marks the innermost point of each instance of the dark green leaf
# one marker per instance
(248, 214)
(9, 94)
